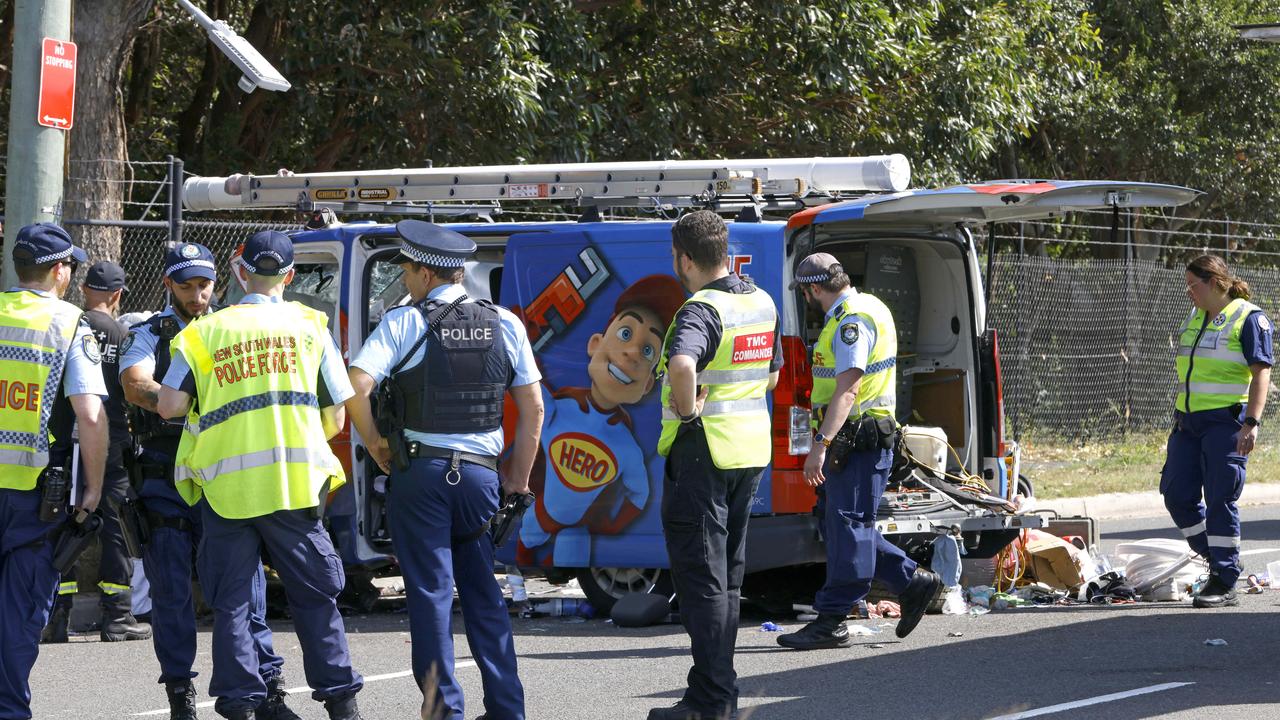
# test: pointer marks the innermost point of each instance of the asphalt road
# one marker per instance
(1010, 664)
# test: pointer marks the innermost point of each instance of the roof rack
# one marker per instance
(723, 185)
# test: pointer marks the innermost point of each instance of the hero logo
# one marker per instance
(582, 462)
(756, 347)
(737, 262)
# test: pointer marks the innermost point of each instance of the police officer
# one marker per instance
(50, 369)
(269, 381)
(452, 359)
(1224, 370)
(854, 381)
(721, 357)
(102, 289)
(175, 526)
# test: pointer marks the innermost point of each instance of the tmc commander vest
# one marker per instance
(735, 415)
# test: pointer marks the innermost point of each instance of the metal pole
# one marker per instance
(175, 201)
(35, 153)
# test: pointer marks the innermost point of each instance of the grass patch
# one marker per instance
(1133, 465)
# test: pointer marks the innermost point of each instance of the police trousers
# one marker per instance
(856, 551)
(27, 584)
(704, 517)
(434, 514)
(303, 555)
(168, 560)
(1202, 464)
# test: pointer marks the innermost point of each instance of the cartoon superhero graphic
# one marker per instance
(594, 477)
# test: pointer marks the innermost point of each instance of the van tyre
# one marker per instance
(605, 586)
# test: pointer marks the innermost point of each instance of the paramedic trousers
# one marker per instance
(434, 515)
(27, 583)
(167, 561)
(115, 569)
(704, 517)
(301, 552)
(1202, 464)
(856, 552)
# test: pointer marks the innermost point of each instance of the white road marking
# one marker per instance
(1260, 551)
(1093, 701)
(305, 689)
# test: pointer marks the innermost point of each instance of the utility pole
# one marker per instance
(35, 153)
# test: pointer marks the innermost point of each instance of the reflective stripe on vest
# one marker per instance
(259, 445)
(877, 390)
(1210, 360)
(735, 415)
(36, 333)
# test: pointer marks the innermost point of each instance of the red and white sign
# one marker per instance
(57, 84)
(756, 347)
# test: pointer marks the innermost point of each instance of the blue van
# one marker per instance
(587, 289)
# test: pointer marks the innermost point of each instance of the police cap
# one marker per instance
(430, 244)
(816, 268)
(43, 243)
(188, 261)
(268, 253)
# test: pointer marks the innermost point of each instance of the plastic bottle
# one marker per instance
(566, 607)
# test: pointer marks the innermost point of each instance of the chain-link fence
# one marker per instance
(1087, 346)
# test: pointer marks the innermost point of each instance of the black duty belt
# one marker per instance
(421, 450)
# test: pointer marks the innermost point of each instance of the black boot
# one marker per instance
(273, 708)
(1215, 594)
(916, 599)
(679, 711)
(182, 700)
(343, 708)
(56, 629)
(118, 623)
(828, 631)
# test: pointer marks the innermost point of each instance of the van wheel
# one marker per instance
(1025, 488)
(604, 586)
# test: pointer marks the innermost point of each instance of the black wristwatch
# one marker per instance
(689, 418)
(1252, 421)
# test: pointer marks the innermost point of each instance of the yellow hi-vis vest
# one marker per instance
(35, 334)
(257, 444)
(735, 415)
(1213, 372)
(877, 393)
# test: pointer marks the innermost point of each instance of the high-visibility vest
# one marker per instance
(258, 444)
(36, 333)
(1212, 370)
(735, 415)
(877, 393)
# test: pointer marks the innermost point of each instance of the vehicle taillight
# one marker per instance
(792, 436)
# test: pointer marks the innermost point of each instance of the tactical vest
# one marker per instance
(877, 392)
(1212, 369)
(258, 444)
(459, 386)
(36, 333)
(735, 414)
(153, 433)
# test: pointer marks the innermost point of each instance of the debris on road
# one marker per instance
(1215, 642)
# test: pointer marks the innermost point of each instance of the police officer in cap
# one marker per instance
(854, 387)
(50, 367)
(452, 358)
(721, 357)
(103, 288)
(175, 525)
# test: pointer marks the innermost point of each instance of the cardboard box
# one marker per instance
(1053, 563)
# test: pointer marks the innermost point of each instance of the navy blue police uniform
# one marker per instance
(439, 508)
(28, 578)
(175, 526)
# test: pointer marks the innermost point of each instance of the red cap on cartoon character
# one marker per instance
(660, 293)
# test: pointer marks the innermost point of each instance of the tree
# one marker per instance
(104, 31)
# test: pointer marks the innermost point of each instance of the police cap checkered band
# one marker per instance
(188, 261)
(433, 245)
(43, 243)
(817, 268)
(269, 253)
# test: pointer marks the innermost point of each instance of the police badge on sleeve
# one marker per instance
(849, 333)
(91, 349)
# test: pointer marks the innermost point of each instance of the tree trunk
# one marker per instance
(98, 171)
